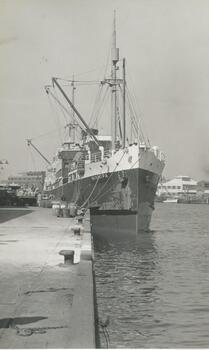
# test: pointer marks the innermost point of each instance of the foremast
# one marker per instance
(114, 83)
(115, 59)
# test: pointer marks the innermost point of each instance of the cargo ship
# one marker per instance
(114, 176)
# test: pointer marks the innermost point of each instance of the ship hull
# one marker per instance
(120, 203)
(117, 223)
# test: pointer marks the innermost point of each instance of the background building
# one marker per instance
(203, 190)
(178, 187)
(30, 179)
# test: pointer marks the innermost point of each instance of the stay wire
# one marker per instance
(32, 158)
(45, 134)
(54, 113)
(101, 107)
(98, 195)
(86, 201)
(83, 73)
(78, 121)
(136, 124)
(100, 90)
(61, 109)
(96, 102)
(136, 103)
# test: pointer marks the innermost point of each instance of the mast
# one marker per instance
(89, 131)
(73, 112)
(115, 58)
(124, 103)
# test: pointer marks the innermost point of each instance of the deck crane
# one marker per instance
(29, 142)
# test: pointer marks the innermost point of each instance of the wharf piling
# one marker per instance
(44, 302)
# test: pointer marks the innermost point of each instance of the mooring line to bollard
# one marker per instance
(104, 325)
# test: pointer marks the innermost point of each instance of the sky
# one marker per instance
(166, 45)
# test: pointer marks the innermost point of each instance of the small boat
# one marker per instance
(171, 200)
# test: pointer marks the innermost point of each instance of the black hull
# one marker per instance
(115, 223)
(121, 201)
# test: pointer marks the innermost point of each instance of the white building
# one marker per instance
(180, 185)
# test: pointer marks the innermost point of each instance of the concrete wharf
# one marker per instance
(45, 303)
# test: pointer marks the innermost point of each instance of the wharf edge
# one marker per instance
(43, 302)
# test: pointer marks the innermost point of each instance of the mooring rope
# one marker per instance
(86, 201)
(110, 176)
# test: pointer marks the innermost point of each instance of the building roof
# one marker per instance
(183, 180)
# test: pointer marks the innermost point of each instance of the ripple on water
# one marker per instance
(155, 288)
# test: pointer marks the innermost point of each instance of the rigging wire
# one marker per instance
(80, 82)
(108, 55)
(56, 118)
(119, 122)
(98, 194)
(100, 109)
(61, 109)
(83, 73)
(136, 104)
(104, 75)
(134, 119)
(46, 133)
(106, 334)
(96, 102)
(95, 109)
(132, 114)
(86, 201)
(32, 158)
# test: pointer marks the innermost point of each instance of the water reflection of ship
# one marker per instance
(114, 176)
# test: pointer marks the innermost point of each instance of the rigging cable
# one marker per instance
(134, 118)
(45, 134)
(61, 109)
(95, 107)
(83, 73)
(108, 55)
(136, 103)
(132, 115)
(106, 334)
(56, 118)
(101, 107)
(98, 195)
(86, 201)
(100, 90)
(32, 157)
(67, 111)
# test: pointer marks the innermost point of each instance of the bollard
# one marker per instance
(68, 256)
(66, 212)
(55, 206)
(77, 229)
(73, 210)
(58, 212)
(80, 220)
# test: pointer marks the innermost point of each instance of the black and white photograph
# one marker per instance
(104, 174)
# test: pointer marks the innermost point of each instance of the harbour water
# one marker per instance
(154, 288)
